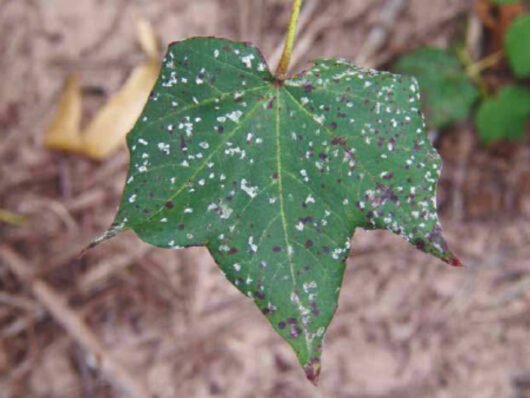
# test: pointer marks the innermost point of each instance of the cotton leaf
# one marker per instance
(273, 177)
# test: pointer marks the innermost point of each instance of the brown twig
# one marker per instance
(106, 269)
(56, 305)
(420, 36)
(107, 34)
(245, 11)
(379, 34)
(22, 324)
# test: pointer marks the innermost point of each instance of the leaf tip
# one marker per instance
(85, 250)
(455, 262)
(452, 260)
(312, 371)
(114, 230)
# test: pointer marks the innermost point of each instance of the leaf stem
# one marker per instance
(474, 69)
(283, 66)
(491, 60)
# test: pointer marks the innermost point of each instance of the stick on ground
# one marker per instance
(56, 305)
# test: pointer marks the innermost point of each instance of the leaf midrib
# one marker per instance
(281, 198)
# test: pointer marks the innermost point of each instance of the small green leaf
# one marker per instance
(517, 44)
(503, 2)
(447, 92)
(275, 176)
(504, 117)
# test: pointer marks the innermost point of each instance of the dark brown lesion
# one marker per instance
(312, 370)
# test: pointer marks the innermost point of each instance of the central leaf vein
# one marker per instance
(283, 215)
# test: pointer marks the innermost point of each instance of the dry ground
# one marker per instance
(407, 325)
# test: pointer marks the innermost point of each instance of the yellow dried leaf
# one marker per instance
(147, 38)
(9, 217)
(64, 130)
(106, 132)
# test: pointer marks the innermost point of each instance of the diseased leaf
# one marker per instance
(448, 94)
(275, 176)
(517, 44)
(504, 117)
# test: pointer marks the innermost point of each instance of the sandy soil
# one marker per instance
(407, 325)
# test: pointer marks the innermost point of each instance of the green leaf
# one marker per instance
(503, 2)
(447, 92)
(274, 177)
(504, 117)
(517, 44)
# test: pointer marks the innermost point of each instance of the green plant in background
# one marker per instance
(448, 93)
(448, 86)
(517, 44)
(274, 173)
(504, 116)
(501, 2)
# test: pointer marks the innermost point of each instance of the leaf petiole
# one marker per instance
(283, 66)
(491, 60)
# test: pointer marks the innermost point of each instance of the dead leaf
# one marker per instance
(9, 217)
(106, 132)
(147, 38)
(63, 133)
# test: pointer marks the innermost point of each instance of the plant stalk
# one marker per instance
(491, 60)
(283, 66)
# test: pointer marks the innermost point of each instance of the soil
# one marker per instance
(407, 325)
